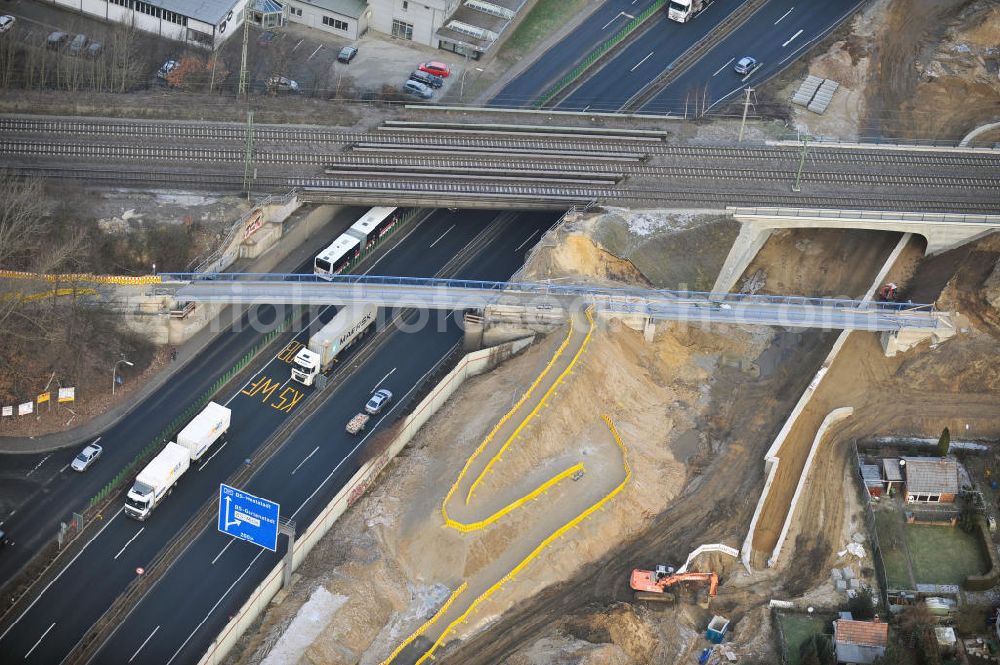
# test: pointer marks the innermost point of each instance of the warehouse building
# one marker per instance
(204, 23)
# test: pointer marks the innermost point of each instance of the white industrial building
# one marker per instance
(204, 23)
(465, 27)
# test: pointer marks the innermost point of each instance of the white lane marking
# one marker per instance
(783, 16)
(382, 379)
(620, 14)
(297, 45)
(792, 38)
(222, 552)
(143, 644)
(442, 235)
(64, 468)
(221, 598)
(315, 52)
(129, 543)
(96, 536)
(224, 444)
(305, 460)
(642, 61)
(723, 67)
(527, 239)
(39, 641)
(37, 466)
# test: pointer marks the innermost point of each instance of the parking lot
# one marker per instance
(305, 55)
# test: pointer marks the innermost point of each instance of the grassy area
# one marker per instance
(943, 554)
(891, 535)
(797, 629)
(545, 18)
(896, 574)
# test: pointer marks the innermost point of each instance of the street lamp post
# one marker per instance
(114, 373)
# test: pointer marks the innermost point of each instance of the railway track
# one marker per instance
(474, 138)
(600, 172)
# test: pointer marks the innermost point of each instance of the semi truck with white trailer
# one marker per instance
(156, 480)
(346, 327)
(206, 428)
(683, 11)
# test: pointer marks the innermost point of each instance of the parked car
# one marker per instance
(86, 458)
(347, 54)
(6, 22)
(168, 66)
(378, 402)
(78, 44)
(427, 79)
(94, 49)
(436, 68)
(56, 39)
(282, 84)
(418, 89)
(745, 65)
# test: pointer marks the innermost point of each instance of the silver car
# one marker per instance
(86, 457)
(378, 402)
(745, 65)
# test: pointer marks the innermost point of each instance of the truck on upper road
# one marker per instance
(206, 428)
(156, 480)
(683, 11)
(349, 324)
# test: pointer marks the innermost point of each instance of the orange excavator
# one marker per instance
(653, 584)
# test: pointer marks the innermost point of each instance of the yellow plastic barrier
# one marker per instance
(55, 293)
(123, 280)
(427, 624)
(465, 528)
(558, 533)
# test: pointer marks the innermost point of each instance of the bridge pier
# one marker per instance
(751, 238)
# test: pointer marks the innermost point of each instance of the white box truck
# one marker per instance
(156, 480)
(350, 323)
(206, 428)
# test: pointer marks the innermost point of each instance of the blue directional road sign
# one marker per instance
(248, 517)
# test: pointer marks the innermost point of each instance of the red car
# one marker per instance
(435, 68)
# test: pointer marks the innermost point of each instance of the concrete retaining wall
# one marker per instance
(470, 365)
(771, 459)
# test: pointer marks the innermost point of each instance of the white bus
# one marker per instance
(373, 225)
(335, 258)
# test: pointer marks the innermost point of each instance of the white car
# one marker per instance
(282, 84)
(167, 67)
(378, 402)
(86, 457)
(745, 65)
(6, 22)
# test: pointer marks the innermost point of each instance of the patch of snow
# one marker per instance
(308, 623)
(172, 198)
(647, 223)
(961, 48)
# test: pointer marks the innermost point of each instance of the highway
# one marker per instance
(603, 23)
(303, 476)
(643, 59)
(69, 606)
(780, 32)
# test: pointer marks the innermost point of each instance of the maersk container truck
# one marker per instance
(206, 428)
(156, 480)
(350, 323)
(683, 11)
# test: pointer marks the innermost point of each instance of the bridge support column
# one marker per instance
(751, 238)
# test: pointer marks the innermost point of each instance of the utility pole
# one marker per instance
(248, 160)
(746, 107)
(243, 64)
(802, 161)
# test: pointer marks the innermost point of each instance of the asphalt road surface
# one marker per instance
(90, 583)
(559, 60)
(777, 34)
(644, 59)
